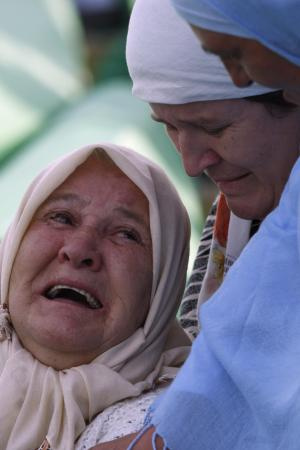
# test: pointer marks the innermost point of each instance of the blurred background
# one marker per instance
(64, 84)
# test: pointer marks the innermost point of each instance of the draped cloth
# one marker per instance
(231, 234)
(274, 24)
(223, 238)
(39, 402)
(167, 64)
(240, 386)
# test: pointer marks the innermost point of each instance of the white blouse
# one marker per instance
(118, 420)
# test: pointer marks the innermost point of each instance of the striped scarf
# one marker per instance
(223, 238)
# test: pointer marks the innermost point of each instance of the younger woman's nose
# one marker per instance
(238, 74)
(197, 155)
(80, 250)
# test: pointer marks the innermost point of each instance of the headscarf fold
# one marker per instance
(274, 24)
(167, 64)
(39, 402)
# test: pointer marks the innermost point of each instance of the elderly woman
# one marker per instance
(92, 272)
(256, 40)
(239, 388)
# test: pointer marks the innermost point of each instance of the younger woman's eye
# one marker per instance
(216, 131)
(170, 128)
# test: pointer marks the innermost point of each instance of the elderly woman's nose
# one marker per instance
(81, 251)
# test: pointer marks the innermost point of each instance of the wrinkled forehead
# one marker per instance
(100, 171)
(96, 173)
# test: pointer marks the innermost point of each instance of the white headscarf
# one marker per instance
(38, 401)
(167, 64)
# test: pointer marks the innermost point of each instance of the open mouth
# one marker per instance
(64, 292)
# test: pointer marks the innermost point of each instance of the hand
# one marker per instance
(145, 442)
(117, 444)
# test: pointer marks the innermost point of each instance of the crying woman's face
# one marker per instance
(81, 280)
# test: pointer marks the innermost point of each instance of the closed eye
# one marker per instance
(170, 128)
(225, 54)
(167, 124)
(215, 131)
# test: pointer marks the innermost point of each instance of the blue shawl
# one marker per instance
(240, 387)
(274, 23)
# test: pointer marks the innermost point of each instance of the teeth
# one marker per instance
(91, 301)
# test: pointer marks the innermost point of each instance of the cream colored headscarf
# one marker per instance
(38, 402)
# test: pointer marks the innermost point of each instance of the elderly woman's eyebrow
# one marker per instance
(67, 197)
(132, 215)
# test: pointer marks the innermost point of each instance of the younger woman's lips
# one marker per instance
(231, 186)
